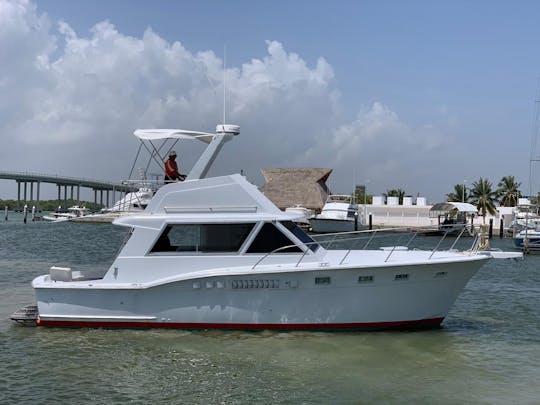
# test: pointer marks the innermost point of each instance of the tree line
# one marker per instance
(49, 205)
(485, 197)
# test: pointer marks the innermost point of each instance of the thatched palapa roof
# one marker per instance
(287, 187)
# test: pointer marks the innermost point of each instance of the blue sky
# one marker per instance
(419, 95)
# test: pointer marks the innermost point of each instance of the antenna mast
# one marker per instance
(224, 77)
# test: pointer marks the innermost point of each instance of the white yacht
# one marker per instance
(525, 216)
(527, 238)
(132, 203)
(304, 215)
(72, 213)
(339, 214)
(216, 253)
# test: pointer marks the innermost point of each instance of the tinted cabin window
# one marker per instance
(209, 238)
(300, 234)
(269, 239)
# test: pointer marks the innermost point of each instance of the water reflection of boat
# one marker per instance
(72, 213)
(216, 253)
(339, 214)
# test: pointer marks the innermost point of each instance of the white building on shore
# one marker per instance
(387, 212)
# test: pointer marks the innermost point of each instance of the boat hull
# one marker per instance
(332, 299)
(531, 241)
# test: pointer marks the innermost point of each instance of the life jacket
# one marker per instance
(171, 169)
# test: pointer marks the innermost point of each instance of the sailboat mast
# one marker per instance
(534, 157)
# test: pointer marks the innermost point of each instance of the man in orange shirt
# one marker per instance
(171, 169)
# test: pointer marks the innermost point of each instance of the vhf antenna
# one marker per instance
(224, 77)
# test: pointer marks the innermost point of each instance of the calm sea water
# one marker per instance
(488, 351)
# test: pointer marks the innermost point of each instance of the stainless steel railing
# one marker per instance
(372, 235)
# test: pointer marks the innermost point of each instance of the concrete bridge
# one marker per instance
(28, 180)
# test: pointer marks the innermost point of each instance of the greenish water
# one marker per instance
(488, 351)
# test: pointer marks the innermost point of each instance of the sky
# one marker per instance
(417, 95)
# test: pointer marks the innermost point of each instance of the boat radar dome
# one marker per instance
(228, 129)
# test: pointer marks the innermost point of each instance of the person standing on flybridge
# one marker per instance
(171, 169)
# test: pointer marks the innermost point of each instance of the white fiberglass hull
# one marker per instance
(327, 225)
(322, 299)
(55, 218)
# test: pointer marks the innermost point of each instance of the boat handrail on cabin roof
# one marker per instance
(156, 221)
(219, 209)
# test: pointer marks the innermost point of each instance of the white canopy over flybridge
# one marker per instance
(161, 134)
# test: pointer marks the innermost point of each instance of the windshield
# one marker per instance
(300, 234)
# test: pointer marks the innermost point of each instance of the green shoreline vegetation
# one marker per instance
(49, 205)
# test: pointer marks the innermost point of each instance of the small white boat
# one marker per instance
(216, 253)
(304, 215)
(339, 214)
(71, 214)
(525, 216)
(131, 203)
(527, 238)
(452, 217)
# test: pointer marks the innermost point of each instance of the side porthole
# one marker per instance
(365, 279)
(401, 277)
(322, 280)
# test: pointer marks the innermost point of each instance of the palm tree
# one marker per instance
(399, 193)
(459, 194)
(484, 197)
(509, 191)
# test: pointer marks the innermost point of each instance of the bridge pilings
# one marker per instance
(25, 199)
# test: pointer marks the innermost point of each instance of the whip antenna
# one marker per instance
(224, 76)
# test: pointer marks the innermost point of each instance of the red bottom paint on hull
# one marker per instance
(417, 324)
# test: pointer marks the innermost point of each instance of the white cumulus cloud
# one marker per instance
(69, 104)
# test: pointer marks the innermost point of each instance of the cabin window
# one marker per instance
(300, 234)
(202, 238)
(269, 239)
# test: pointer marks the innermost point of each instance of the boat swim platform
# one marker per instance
(26, 316)
(62, 182)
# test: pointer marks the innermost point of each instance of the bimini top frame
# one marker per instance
(155, 142)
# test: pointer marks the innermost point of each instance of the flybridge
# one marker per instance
(224, 133)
